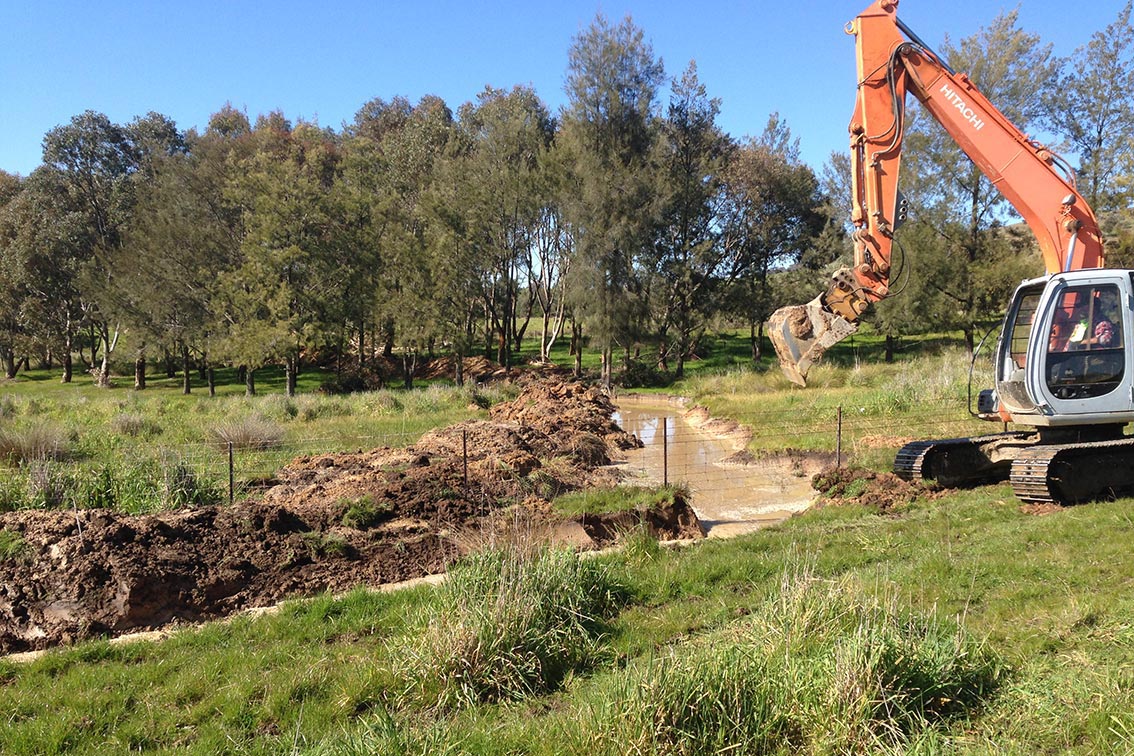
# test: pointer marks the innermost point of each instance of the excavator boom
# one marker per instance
(891, 62)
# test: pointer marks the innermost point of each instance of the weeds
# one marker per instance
(252, 432)
(364, 513)
(510, 625)
(12, 545)
(35, 443)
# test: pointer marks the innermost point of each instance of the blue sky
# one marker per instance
(322, 60)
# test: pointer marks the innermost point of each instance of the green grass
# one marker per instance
(606, 500)
(157, 449)
(954, 625)
(958, 625)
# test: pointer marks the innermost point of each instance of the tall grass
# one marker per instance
(821, 667)
(145, 451)
(513, 622)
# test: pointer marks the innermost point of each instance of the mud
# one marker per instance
(884, 492)
(330, 522)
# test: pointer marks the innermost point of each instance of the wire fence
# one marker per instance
(153, 477)
(787, 446)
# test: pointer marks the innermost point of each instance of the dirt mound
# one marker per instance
(881, 491)
(329, 522)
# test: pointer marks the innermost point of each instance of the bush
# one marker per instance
(512, 623)
(639, 374)
(39, 442)
(252, 432)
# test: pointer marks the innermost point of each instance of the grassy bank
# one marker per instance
(958, 625)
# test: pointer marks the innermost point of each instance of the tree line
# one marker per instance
(627, 222)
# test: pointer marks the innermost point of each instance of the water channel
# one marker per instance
(728, 498)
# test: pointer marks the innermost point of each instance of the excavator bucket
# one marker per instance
(802, 333)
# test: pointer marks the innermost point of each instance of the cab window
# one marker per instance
(1085, 356)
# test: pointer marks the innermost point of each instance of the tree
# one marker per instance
(502, 199)
(1090, 107)
(610, 129)
(772, 216)
(184, 236)
(93, 159)
(689, 252)
(277, 296)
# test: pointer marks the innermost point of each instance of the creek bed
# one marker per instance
(729, 498)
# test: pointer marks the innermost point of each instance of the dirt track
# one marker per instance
(330, 522)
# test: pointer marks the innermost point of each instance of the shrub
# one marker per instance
(639, 374)
(38, 442)
(252, 432)
(512, 623)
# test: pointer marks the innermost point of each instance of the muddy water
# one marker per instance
(729, 499)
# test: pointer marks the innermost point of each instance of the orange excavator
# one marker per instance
(1063, 361)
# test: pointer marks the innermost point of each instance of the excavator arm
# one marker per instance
(891, 62)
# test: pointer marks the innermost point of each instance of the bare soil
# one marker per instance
(885, 492)
(327, 523)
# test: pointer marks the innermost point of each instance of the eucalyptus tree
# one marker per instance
(610, 129)
(92, 159)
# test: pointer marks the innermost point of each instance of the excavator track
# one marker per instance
(957, 462)
(1069, 473)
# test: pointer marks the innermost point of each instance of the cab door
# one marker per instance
(1078, 352)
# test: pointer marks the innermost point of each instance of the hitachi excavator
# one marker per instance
(1063, 361)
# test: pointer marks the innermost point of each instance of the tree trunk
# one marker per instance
(889, 349)
(459, 368)
(577, 347)
(212, 379)
(249, 382)
(68, 367)
(9, 356)
(291, 372)
(140, 372)
(186, 371)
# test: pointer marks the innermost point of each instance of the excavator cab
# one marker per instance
(1063, 357)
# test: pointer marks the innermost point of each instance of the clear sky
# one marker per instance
(322, 59)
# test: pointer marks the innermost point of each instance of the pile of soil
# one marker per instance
(856, 486)
(329, 522)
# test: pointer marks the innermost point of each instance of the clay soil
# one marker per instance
(885, 492)
(327, 523)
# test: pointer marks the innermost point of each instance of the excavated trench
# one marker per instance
(732, 492)
(328, 523)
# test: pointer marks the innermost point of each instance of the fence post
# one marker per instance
(231, 475)
(839, 438)
(665, 450)
(465, 456)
